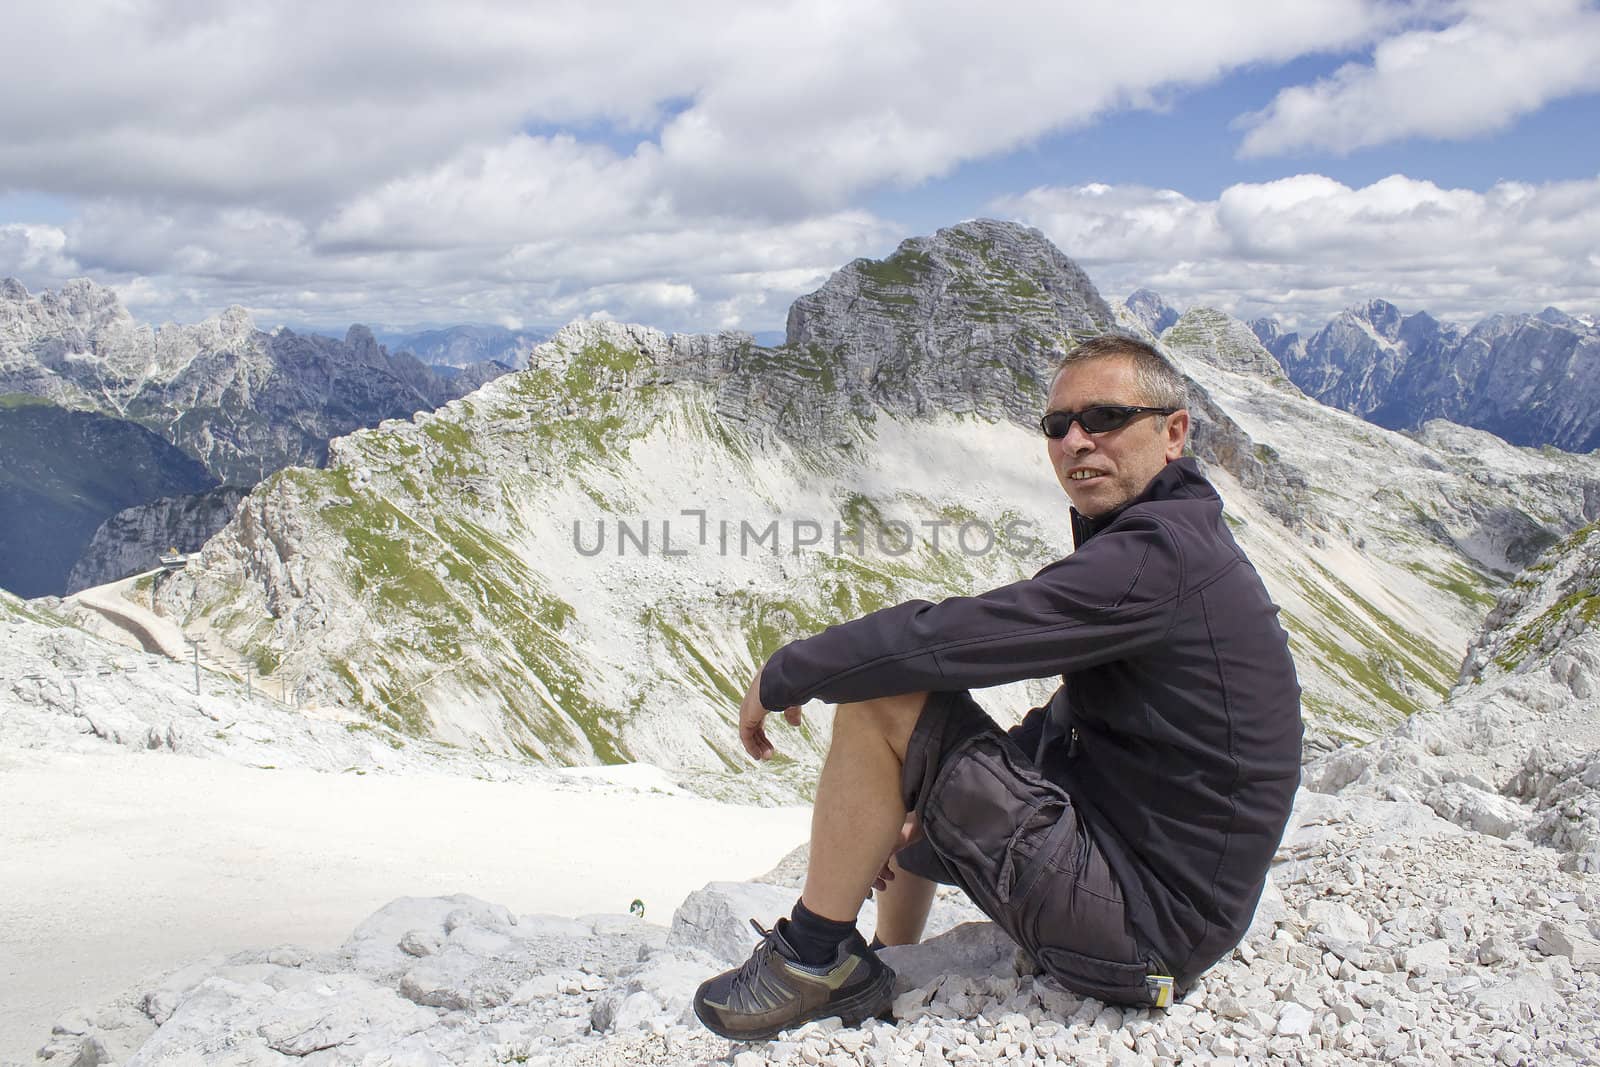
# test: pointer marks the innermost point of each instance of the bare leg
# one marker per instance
(856, 820)
(903, 907)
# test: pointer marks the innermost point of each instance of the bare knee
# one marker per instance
(891, 718)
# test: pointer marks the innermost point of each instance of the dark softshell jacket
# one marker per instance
(1177, 727)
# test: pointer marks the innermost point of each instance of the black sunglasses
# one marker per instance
(1102, 419)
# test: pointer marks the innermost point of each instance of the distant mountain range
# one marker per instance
(1530, 379)
(243, 402)
(240, 402)
(462, 346)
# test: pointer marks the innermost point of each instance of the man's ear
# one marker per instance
(1177, 432)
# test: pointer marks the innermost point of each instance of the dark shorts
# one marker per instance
(1012, 840)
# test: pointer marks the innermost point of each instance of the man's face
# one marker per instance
(1102, 472)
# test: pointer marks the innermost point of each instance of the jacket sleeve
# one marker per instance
(1113, 598)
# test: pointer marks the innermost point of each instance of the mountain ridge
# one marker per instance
(1531, 379)
(242, 401)
(432, 576)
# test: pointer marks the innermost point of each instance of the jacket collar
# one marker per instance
(1180, 478)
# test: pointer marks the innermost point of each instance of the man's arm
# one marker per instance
(1112, 598)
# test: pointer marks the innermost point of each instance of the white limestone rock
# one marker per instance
(1434, 953)
(377, 945)
(715, 920)
(659, 988)
(1571, 942)
(1524, 995)
(1294, 1021)
(1339, 920)
(1270, 910)
(1477, 809)
(971, 950)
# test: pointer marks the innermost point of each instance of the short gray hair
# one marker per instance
(1160, 384)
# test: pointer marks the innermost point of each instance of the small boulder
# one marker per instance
(1475, 809)
(971, 950)
(716, 920)
(1571, 942)
(1428, 954)
(1341, 921)
(1294, 1021)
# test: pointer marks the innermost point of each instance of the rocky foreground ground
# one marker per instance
(1388, 933)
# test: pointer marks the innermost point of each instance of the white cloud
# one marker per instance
(1498, 62)
(775, 109)
(682, 273)
(689, 165)
(524, 189)
(29, 250)
(1307, 246)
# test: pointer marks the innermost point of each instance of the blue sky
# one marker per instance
(1190, 146)
(698, 168)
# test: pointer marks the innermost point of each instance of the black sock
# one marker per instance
(816, 940)
(876, 943)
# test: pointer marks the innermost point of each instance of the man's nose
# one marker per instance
(1078, 439)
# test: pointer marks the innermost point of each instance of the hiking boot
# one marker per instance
(773, 991)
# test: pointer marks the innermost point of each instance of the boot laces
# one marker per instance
(745, 977)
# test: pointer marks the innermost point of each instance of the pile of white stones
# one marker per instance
(1387, 933)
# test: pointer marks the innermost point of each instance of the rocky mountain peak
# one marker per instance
(235, 319)
(975, 272)
(80, 303)
(1227, 343)
(242, 401)
(1285, 345)
(1266, 329)
(360, 341)
(969, 320)
(1556, 317)
(1420, 329)
(1152, 310)
(85, 298)
(1383, 316)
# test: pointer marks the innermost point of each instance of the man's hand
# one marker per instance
(753, 718)
(909, 832)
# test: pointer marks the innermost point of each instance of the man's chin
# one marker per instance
(1087, 506)
(1093, 503)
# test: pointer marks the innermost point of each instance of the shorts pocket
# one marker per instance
(995, 821)
(1048, 839)
(1117, 983)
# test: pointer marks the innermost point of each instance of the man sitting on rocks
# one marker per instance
(1121, 834)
